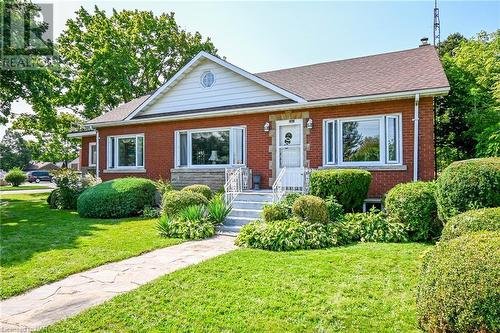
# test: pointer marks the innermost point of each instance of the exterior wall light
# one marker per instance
(267, 126)
(309, 123)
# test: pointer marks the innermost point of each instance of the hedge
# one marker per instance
(414, 205)
(458, 287)
(175, 201)
(15, 176)
(275, 212)
(202, 189)
(349, 187)
(467, 185)
(117, 198)
(486, 219)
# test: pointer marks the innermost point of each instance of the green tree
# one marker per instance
(14, 151)
(51, 144)
(108, 60)
(473, 104)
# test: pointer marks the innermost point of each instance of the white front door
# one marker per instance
(290, 153)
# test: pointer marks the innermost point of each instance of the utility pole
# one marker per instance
(437, 25)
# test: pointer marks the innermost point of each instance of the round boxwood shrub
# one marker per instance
(15, 176)
(414, 205)
(458, 287)
(349, 187)
(117, 198)
(467, 185)
(485, 219)
(275, 212)
(311, 209)
(175, 201)
(202, 189)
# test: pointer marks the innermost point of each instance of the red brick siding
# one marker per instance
(84, 152)
(159, 141)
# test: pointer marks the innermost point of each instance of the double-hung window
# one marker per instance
(363, 141)
(125, 151)
(92, 154)
(217, 147)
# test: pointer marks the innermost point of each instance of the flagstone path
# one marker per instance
(52, 302)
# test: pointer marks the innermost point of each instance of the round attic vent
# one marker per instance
(207, 79)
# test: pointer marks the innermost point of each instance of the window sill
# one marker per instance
(132, 170)
(385, 167)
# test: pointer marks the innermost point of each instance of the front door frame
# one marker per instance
(279, 123)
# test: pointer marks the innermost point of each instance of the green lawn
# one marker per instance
(25, 187)
(41, 245)
(360, 288)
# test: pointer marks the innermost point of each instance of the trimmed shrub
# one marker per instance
(467, 185)
(117, 198)
(163, 186)
(288, 235)
(311, 209)
(217, 209)
(202, 189)
(15, 177)
(169, 226)
(275, 212)
(349, 187)
(458, 287)
(373, 227)
(486, 219)
(175, 201)
(414, 205)
(335, 210)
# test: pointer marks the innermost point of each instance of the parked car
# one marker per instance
(37, 176)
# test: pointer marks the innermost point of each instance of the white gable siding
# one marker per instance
(229, 88)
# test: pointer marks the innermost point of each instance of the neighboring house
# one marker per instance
(41, 166)
(75, 164)
(373, 113)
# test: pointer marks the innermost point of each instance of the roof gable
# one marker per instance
(233, 86)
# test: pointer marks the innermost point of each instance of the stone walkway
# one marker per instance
(52, 302)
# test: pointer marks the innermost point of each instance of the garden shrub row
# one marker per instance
(459, 279)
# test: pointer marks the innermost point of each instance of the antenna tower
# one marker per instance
(437, 25)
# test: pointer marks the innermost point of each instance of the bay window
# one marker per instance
(374, 140)
(125, 151)
(210, 147)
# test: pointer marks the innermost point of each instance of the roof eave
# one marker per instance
(82, 134)
(441, 91)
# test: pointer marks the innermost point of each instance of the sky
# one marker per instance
(261, 36)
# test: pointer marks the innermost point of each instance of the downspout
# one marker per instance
(415, 138)
(97, 152)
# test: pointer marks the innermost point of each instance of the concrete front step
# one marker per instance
(249, 204)
(250, 213)
(255, 196)
(238, 220)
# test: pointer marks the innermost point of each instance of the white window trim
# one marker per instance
(338, 147)
(125, 136)
(92, 144)
(189, 132)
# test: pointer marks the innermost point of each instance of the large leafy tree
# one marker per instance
(35, 86)
(15, 151)
(51, 144)
(108, 60)
(472, 108)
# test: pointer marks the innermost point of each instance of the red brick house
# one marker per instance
(374, 113)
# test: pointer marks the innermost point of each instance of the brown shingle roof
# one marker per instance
(408, 70)
(400, 71)
(120, 112)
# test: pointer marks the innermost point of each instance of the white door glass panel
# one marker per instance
(361, 141)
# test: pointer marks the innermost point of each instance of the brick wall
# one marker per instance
(159, 142)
